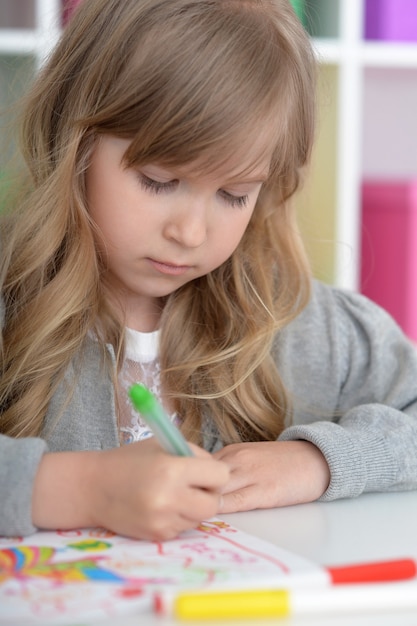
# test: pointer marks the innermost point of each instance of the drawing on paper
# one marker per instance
(92, 573)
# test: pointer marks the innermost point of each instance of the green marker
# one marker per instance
(158, 421)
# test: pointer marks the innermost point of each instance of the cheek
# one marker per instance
(230, 234)
(108, 210)
(241, 224)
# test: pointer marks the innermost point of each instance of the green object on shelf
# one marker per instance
(298, 6)
(4, 189)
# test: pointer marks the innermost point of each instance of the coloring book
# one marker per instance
(66, 576)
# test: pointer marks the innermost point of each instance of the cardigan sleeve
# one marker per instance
(19, 461)
(355, 390)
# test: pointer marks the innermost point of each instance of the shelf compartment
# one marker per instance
(391, 20)
(389, 249)
(17, 14)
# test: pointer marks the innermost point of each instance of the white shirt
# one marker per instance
(141, 365)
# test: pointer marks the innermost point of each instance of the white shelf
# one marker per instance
(389, 55)
(37, 41)
(367, 54)
(353, 56)
(18, 41)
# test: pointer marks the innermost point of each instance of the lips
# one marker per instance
(169, 268)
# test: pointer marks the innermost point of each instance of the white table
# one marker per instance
(371, 527)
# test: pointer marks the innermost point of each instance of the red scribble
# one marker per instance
(216, 526)
(11, 540)
(214, 531)
(211, 576)
(130, 592)
(101, 532)
(69, 533)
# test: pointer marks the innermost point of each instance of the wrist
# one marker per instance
(63, 490)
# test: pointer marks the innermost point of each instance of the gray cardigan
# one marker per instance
(352, 377)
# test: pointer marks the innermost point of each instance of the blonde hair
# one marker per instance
(184, 80)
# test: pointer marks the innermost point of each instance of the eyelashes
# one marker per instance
(234, 201)
(156, 187)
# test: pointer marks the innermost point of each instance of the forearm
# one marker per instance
(62, 491)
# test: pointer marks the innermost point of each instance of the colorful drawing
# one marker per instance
(89, 574)
(26, 562)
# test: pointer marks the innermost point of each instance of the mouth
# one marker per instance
(169, 268)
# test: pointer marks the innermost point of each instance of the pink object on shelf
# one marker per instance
(393, 20)
(68, 7)
(389, 249)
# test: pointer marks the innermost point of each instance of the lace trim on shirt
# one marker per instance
(141, 365)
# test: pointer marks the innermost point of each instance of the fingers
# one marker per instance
(244, 499)
(199, 505)
(175, 493)
(199, 452)
(201, 470)
(208, 474)
(174, 512)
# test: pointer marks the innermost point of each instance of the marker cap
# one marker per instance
(142, 399)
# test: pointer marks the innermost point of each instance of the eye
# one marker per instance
(156, 186)
(234, 201)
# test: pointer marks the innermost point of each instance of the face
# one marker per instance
(160, 228)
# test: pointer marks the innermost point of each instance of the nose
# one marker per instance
(187, 225)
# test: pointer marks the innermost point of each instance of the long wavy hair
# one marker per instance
(185, 81)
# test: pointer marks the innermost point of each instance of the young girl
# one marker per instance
(155, 242)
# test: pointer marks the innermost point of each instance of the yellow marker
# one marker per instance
(280, 603)
(262, 603)
(231, 604)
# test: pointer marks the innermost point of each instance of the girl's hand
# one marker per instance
(137, 490)
(144, 492)
(272, 473)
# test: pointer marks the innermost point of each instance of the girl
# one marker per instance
(155, 242)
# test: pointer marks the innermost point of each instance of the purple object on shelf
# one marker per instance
(392, 20)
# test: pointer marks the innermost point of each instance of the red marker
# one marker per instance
(378, 572)
(339, 597)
